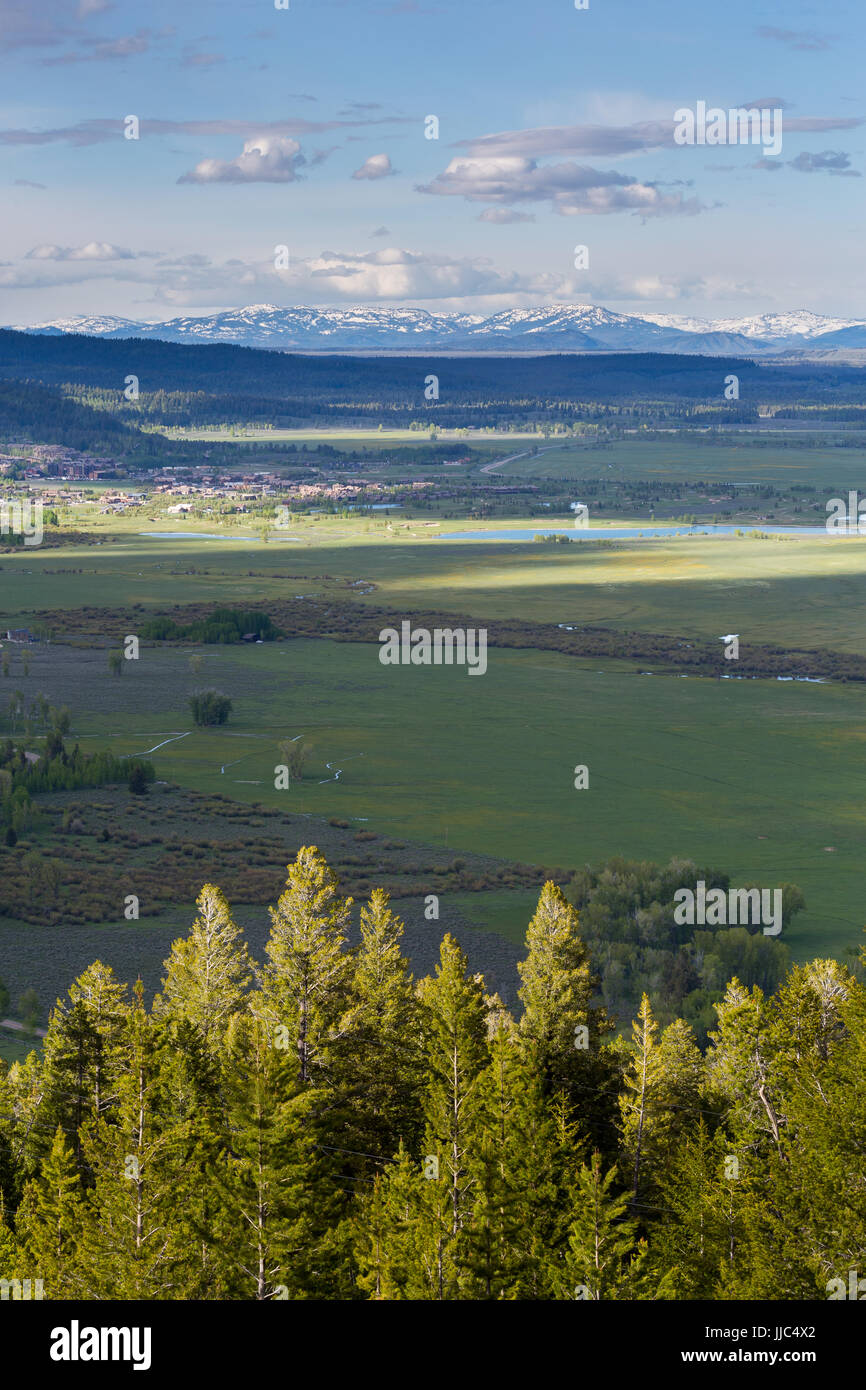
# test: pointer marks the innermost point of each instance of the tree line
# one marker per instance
(321, 1125)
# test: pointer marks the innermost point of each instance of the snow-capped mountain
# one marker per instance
(552, 328)
(769, 328)
(96, 325)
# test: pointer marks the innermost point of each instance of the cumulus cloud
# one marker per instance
(91, 251)
(377, 166)
(500, 217)
(395, 274)
(264, 159)
(571, 189)
(392, 275)
(381, 231)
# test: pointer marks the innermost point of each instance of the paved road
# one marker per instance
(495, 466)
(17, 1027)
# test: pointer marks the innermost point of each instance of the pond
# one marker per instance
(628, 533)
(196, 536)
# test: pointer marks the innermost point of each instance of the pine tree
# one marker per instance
(604, 1258)
(49, 1220)
(743, 1066)
(208, 972)
(386, 1229)
(382, 1077)
(492, 1255)
(638, 1080)
(306, 984)
(275, 1214)
(562, 1030)
(131, 1244)
(660, 1101)
(699, 1243)
(83, 1057)
(455, 1034)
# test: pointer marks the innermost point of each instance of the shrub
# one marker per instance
(137, 780)
(210, 707)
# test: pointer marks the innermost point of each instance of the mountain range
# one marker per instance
(559, 328)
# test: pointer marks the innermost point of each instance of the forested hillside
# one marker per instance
(221, 383)
(321, 1126)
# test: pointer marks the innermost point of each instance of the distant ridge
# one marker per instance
(557, 328)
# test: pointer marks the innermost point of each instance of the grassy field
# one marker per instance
(762, 779)
(744, 460)
(797, 592)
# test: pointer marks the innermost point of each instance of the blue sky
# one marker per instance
(305, 128)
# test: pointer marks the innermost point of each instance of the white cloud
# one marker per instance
(390, 275)
(377, 166)
(500, 217)
(92, 251)
(572, 189)
(395, 274)
(264, 159)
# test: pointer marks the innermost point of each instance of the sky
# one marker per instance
(286, 156)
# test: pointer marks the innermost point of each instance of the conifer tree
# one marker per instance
(456, 1053)
(22, 1095)
(699, 1244)
(493, 1253)
(743, 1066)
(83, 1056)
(604, 1258)
(276, 1215)
(382, 1077)
(660, 1099)
(306, 983)
(207, 972)
(562, 1030)
(131, 1244)
(49, 1220)
(385, 1228)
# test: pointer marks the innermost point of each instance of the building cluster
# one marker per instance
(57, 461)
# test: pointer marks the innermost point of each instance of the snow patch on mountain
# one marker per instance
(547, 328)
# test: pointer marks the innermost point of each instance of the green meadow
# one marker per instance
(742, 459)
(802, 592)
(762, 779)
